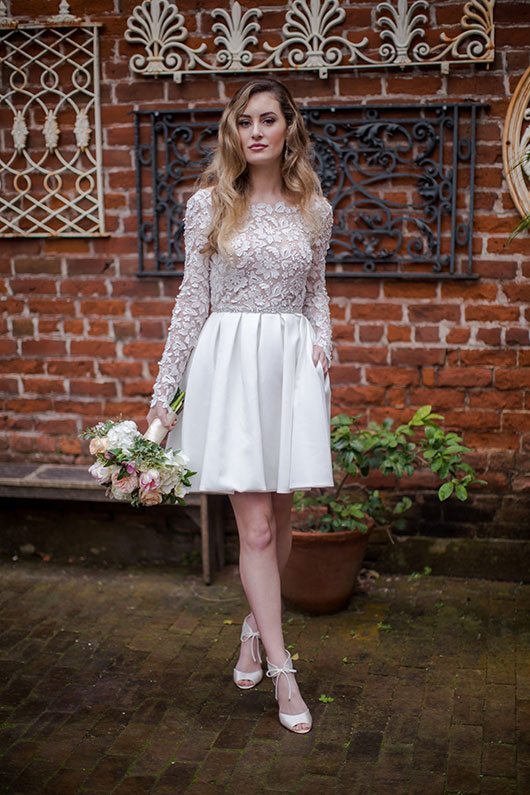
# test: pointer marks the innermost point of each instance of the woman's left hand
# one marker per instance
(319, 355)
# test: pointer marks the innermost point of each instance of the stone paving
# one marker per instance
(119, 681)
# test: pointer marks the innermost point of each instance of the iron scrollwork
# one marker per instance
(316, 36)
(400, 179)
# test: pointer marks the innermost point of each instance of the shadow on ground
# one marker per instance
(119, 681)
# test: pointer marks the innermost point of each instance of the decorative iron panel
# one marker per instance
(50, 145)
(317, 36)
(400, 179)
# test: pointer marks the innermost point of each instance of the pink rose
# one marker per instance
(150, 497)
(124, 485)
(149, 480)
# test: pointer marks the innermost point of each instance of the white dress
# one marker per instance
(256, 413)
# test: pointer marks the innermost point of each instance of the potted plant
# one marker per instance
(331, 527)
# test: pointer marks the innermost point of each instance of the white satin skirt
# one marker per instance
(257, 411)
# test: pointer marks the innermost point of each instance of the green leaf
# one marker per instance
(445, 490)
(461, 491)
(420, 415)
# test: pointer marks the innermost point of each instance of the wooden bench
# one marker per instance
(65, 482)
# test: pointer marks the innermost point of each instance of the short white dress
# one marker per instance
(256, 413)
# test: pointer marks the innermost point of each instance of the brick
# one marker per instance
(96, 348)
(516, 420)
(110, 306)
(43, 385)
(371, 333)
(37, 286)
(96, 388)
(387, 376)
(371, 354)
(417, 356)
(440, 398)
(517, 292)
(494, 440)
(37, 265)
(427, 334)
(503, 358)
(51, 306)
(491, 314)
(398, 333)
(73, 326)
(71, 368)
(512, 379)
(457, 336)
(490, 399)
(418, 86)
(79, 287)
(432, 313)
(517, 336)
(461, 291)
(142, 350)
(412, 290)
(468, 376)
(22, 326)
(371, 312)
(149, 308)
(475, 420)
(43, 347)
(489, 336)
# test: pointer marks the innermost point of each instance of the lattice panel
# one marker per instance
(50, 138)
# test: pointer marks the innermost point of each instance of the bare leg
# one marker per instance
(260, 576)
(281, 506)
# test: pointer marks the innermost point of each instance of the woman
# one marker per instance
(250, 343)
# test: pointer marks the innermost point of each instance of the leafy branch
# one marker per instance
(359, 451)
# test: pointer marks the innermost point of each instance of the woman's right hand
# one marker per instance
(167, 417)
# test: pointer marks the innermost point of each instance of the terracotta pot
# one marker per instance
(322, 569)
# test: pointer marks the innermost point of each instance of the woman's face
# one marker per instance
(262, 129)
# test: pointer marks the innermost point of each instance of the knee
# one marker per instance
(260, 534)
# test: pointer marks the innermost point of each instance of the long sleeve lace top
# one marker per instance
(276, 267)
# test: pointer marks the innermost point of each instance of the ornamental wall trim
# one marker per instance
(314, 38)
(51, 181)
(516, 145)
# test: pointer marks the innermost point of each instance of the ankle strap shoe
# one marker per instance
(248, 634)
(289, 721)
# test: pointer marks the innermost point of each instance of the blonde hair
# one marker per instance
(228, 173)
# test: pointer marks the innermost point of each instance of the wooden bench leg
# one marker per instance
(212, 535)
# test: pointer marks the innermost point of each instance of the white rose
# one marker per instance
(169, 478)
(101, 473)
(98, 444)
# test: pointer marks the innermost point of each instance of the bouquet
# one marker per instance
(134, 467)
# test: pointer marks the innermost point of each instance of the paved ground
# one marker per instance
(120, 682)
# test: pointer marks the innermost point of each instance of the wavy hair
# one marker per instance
(228, 172)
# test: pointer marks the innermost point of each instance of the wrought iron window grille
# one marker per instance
(400, 179)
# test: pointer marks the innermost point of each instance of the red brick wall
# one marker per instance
(81, 334)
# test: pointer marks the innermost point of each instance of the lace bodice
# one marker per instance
(276, 267)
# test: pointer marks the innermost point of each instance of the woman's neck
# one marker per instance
(265, 186)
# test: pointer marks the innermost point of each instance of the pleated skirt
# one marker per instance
(256, 413)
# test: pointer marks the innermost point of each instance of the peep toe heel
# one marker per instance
(248, 634)
(289, 721)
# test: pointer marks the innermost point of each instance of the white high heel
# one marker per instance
(247, 633)
(289, 721)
